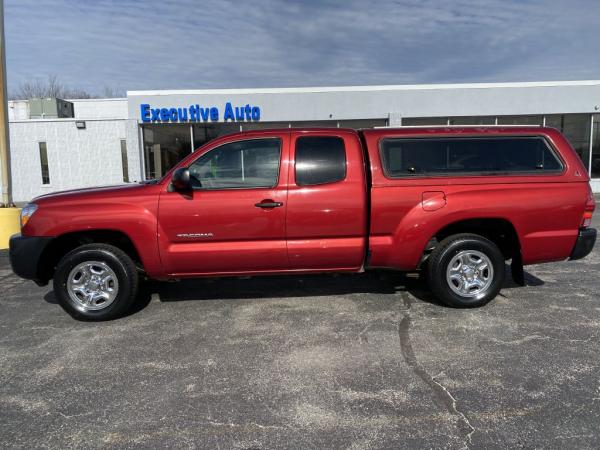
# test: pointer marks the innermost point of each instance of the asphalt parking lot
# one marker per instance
(366, 361)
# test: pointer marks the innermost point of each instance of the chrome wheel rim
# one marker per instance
(470, 274)
(92, 286)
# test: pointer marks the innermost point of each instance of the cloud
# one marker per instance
(268, 43)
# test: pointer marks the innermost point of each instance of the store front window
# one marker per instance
(520, 120)
(165, 146)
(482, 120)
(596, 148)
(362, 123)
(576, 128)
(423, 121)
(473, 120)
(207, 132)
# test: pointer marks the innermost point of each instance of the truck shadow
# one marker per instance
(271, 287)
(373, 283)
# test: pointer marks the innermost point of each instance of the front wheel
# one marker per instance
(466, 270)
(96, 282)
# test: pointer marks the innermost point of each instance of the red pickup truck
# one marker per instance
(452, 203)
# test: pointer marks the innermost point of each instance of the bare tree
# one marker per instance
(111, 92)
(30, 89)
(76, 93)
(49, 88)
(53, 88)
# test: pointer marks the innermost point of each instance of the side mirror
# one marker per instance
(181, 179)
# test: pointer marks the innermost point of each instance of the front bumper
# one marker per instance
(25, 253)
(584, 244)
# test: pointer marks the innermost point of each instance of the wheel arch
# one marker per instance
(500, 231)
(64, 243)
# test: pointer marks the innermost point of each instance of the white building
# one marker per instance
(110, 141)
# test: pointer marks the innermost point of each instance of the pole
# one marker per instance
(9, 217)
(4, 137)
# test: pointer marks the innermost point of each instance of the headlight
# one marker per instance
(27, 212)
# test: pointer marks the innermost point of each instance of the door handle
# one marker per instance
(268, 204)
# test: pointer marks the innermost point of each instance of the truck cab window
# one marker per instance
(238, 165)
(320, 160)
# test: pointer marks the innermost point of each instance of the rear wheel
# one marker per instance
(466, 270)
(96, 282)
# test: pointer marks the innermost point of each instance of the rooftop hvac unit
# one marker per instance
(50, 108)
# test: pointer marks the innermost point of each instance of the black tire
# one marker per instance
(121, 265)
(446, 252)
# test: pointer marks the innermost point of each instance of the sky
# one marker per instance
(166, 44)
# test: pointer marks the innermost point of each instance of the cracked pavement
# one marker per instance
(351, 361)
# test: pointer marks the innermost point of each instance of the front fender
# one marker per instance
(137, 220)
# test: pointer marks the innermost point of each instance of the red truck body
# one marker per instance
(366, 220)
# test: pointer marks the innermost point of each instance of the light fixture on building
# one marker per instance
(80, 124)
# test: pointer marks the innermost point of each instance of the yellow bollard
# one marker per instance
(10, 223)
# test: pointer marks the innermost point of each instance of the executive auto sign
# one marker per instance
(198, 113)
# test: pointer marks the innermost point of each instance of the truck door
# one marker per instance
(234, 219)
(327, 201)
